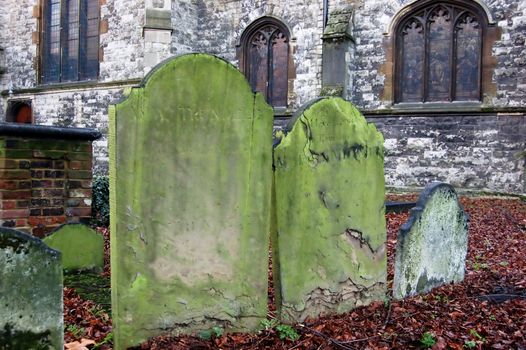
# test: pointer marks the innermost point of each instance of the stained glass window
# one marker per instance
(70, 40)
(439, 50)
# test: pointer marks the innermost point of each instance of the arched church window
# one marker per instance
(69, 41)
(439, 53)
(265, 59)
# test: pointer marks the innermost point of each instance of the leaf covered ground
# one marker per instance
(486, 311)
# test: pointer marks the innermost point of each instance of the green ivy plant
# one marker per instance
(100, 203)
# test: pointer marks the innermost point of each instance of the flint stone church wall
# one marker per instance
(450, 146)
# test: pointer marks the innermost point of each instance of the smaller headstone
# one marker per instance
(82, 248)
(432, 244)
(329, 238)
(31, 307)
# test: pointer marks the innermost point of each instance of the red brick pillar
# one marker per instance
(45, 177)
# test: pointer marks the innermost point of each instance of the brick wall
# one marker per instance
(45, 180)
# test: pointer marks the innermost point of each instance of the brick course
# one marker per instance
(40, 186)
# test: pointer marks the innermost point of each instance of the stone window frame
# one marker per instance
(242, 55)
(82, 73)
(491, 33)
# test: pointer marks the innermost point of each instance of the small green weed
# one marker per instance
(427, 340)
(503, 263)
(269, 324)
(492, 318)
(387, 302)
(287, 332)
(75, 330)
(215, 332)
(442, 298)
(476, 335)
(480, 266)
(470, 344)
(108, 339)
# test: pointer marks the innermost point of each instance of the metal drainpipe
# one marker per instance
(325, 12)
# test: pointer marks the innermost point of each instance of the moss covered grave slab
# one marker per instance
(432, 245)
(82, 247)
(31, 307)
(329, 243)
(190, 186)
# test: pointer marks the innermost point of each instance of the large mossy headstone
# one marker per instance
(432, 245)
(31, 307)
(82, 247)
(190, 186)
(329, 247)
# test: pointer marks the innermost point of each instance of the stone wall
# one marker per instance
(130, 47)
(184, 23)
(372, 22)
(222, 22)
(471, 151)
(510, 51)
(122, 45)
(18, 25)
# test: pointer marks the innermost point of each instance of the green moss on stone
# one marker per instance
(31, 309)
(432, 246)
(26, 340)
(330, 236)
(82, 248)
(190, 178)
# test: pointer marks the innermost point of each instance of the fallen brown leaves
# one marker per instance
(486, 311)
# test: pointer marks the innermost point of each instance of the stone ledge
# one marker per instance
(72, 86)
(451, 111)
(44, 131)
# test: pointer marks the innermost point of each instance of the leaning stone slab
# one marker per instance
(190, 184)
(31, 308)
(329, 248)
(432, 244)
(82, 248)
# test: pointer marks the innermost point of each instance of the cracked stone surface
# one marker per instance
(190, 186)
(330, 234)
(432, 245)
(31, 307)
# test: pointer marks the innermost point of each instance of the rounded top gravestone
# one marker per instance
(432, 245)
(190, 184)
(31, 306)
(330, 236)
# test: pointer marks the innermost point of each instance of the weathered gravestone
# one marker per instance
(82, 248)
(329, 185)
(31, 308)
(190, 190)
(432, 244)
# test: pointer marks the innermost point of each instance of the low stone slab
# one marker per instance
(432, 244)
(82, 247)
(329, 244)
(31, 307)
(190, 188)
